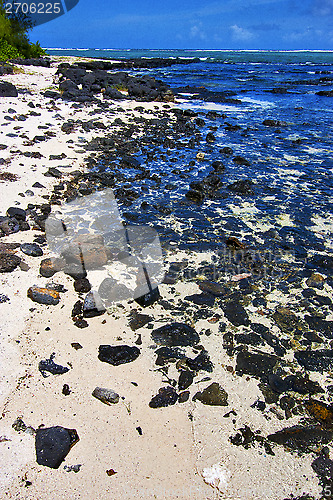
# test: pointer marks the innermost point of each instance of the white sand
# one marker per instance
(180, 445)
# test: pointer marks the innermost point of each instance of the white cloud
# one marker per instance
(241, 34)
(196, 31)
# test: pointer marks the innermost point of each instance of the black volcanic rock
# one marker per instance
(302, 439)
(53, 444)
(317, 361)
(48, 365)
(213, 395)
(258, 364)
(235, 313)
(7, 89)
(166, 396)
(17, 213)
(118, 355)
(31, 249)
(8, 262)
(175, 334)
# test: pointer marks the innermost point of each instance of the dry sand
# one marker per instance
(181, 446)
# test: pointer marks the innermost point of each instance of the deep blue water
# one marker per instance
(291, 165)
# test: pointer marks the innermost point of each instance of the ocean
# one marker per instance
(265, 107)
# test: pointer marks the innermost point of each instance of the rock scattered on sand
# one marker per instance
(49, 366)
(235, 313)
(118, 355)
(166, 396)
(92, 305)
(201, 299)
(175, 334)
(82, 285)
(316, 280)
(213, 395)
(185, 379)
(107, 396)
(200, 362)
(168, 355)
(31, 249)
(216, 289)
(317, 361)
(66, 390)
(49, 267)
(320, 325)
(285, 319)
(138, 320)
(147, 299)
(76, 346)
(8, 262)
(43, 295)
(53, 444)
(73, 468)
(257, 364)
(7, 89)
(4, 298)
(303, 439)
(17, 213)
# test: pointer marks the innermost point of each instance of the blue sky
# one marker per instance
(224, 24)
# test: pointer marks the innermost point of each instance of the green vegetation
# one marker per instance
(14, 41)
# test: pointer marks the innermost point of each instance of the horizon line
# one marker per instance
(188, 49)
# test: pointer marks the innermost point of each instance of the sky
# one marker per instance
(192, 24)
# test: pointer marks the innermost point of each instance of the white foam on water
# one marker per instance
(259, 102)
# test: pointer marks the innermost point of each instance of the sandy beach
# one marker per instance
(126, 449)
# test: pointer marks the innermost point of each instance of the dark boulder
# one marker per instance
(48, 365)
(114, 94)
(9, 225)
(168, 355)
(242, 187)
(213, 395)
(43, 295)
(239, 160)
(325, 93)
(320, 325)
(185, 379)
(258, 364)
(69, 87)
(50, 266)
(302, 439)
(147, 299)
(31, 249)
(138, 320)
(201, 299)
(92, 305)
(166, 396)
(53, 444)
(8, 262)
(316, 361)
(218, 166)
(7, 89)
(195, 195)
(175, 334)
(216, 289)
(235, 313)
(82, 285)
(200, 362)
(17, 213)
(118, 355)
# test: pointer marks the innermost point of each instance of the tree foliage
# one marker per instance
(14, 41)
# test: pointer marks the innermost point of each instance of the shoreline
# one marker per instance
(175, 455)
